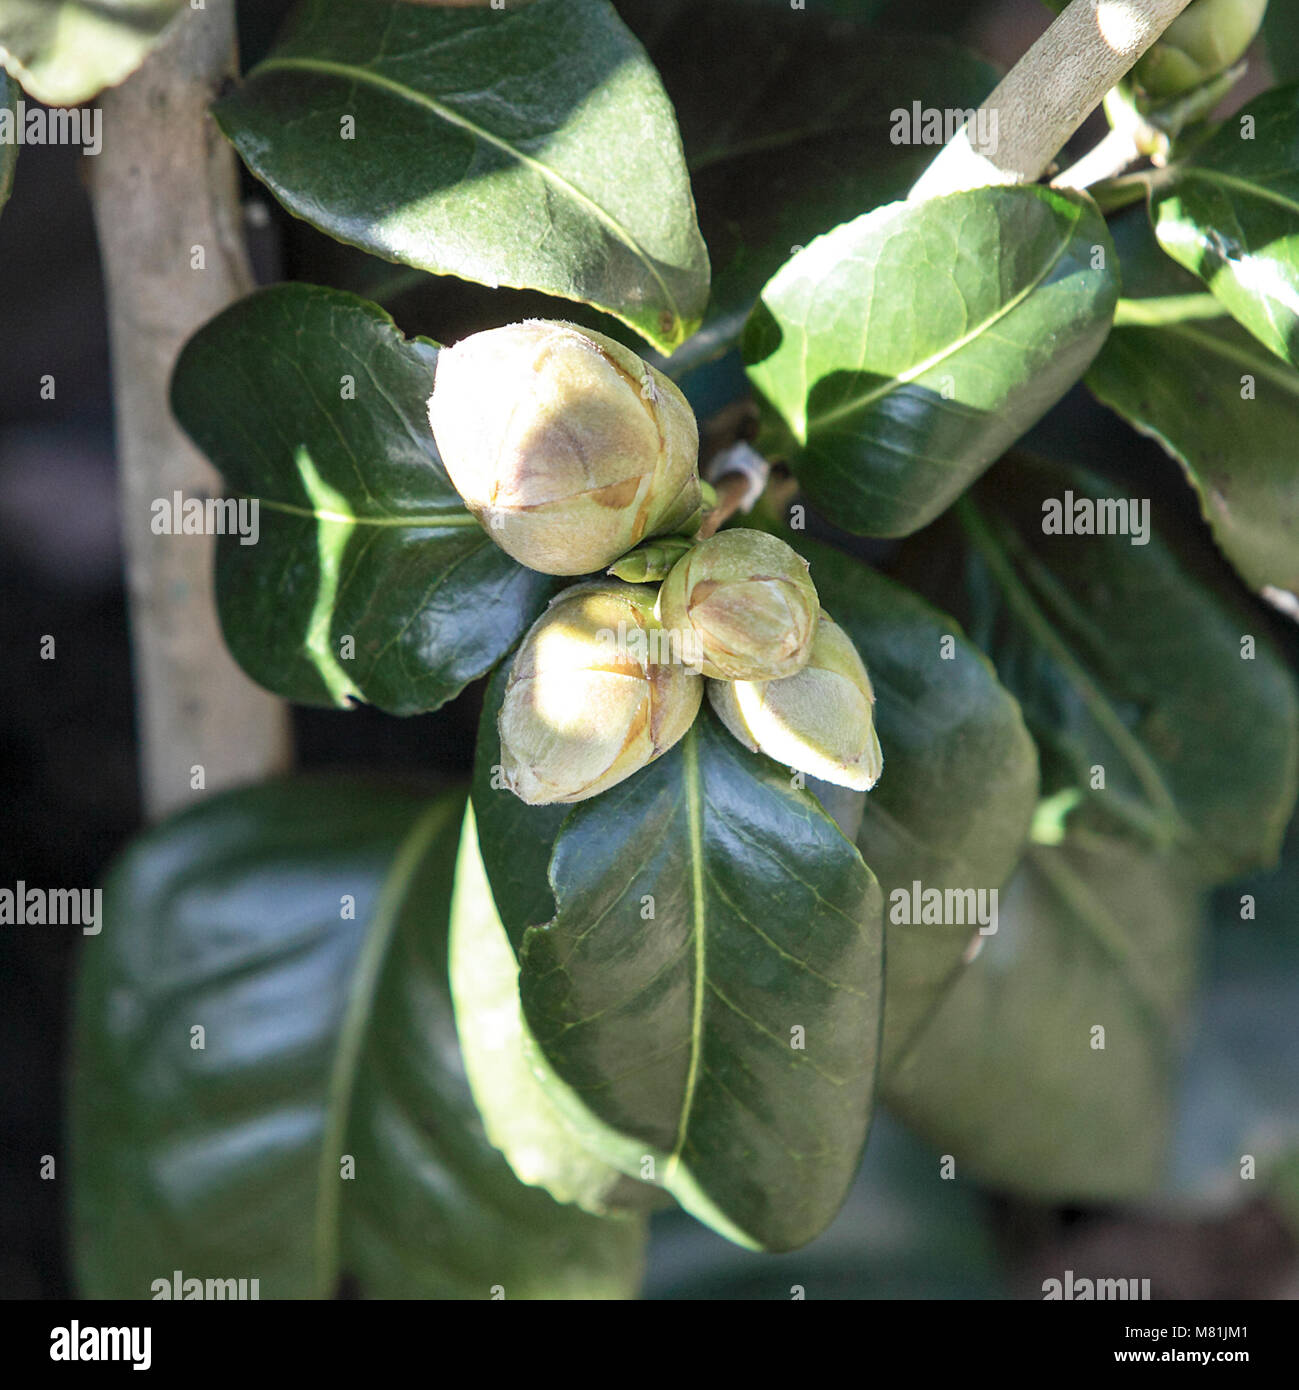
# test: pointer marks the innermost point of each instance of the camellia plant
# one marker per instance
(840, 747)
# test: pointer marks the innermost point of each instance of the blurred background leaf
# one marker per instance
(953, 806)
(1010, 1077)
(1281, 31)
(1239, 1092)
(65, 52)
(1127, 660)
(303, 927)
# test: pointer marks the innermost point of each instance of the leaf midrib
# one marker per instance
(1254, 190)
(1017, 594)
(1260, 364)
(694, 822)
(366, 975)
(1096, 919)
(355, 74)
(935, 359)
(414, 520)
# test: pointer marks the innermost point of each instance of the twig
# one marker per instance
(731, 492)
(739, 473)
(1106, 160)
(165, 194)
(1048, 94)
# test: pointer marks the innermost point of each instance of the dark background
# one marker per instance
(69, 798)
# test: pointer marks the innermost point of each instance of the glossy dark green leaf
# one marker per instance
(8, 152)
(302, 927)
(710, 988)
(529, 146)
(1230, 213)
(905, 1232)
(369, 580)
(65, 52)
(1153, 714)
(787, 131)
(953, 807)
(1010, 1076)
(520, 1117)
(904, 351)
(1239, 454)
(1173, 349)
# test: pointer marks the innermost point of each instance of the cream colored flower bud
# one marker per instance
(821, 721)
(567, 447)
(747, 601)
(596, 692)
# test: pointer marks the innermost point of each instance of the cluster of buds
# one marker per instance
(576, 456)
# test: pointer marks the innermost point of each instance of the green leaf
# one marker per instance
(8, 152)
(906, 350)
(1239, 455)
(787, 131)
(369, 580)
(1154, 718)
(1172, 349)
(905, 1232)
(324, 1035)
(65, 52)
(953, 807)
(520, 1118)
(1230, 213)
(1009, 1076)
(730, 1037)
(1281, 34)
(531, 147)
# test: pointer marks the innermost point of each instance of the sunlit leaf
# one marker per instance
(530, 146)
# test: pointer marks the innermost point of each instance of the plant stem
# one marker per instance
(731, 492)
(1106, 160)
(1048, 94)
(739, 473)
(166, 205)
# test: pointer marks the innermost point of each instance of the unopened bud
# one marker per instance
(747, 599)
(1204, 40)
(821, 721)
(567, 447)
(652, 561)
(596, 692)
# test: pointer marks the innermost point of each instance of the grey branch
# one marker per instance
(165, 183)
(1048, 94)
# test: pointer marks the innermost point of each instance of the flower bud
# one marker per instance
(1204, 40)
(821, 721)
(651, 562)
(566, 446)
(746, 602)
(594, 695)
